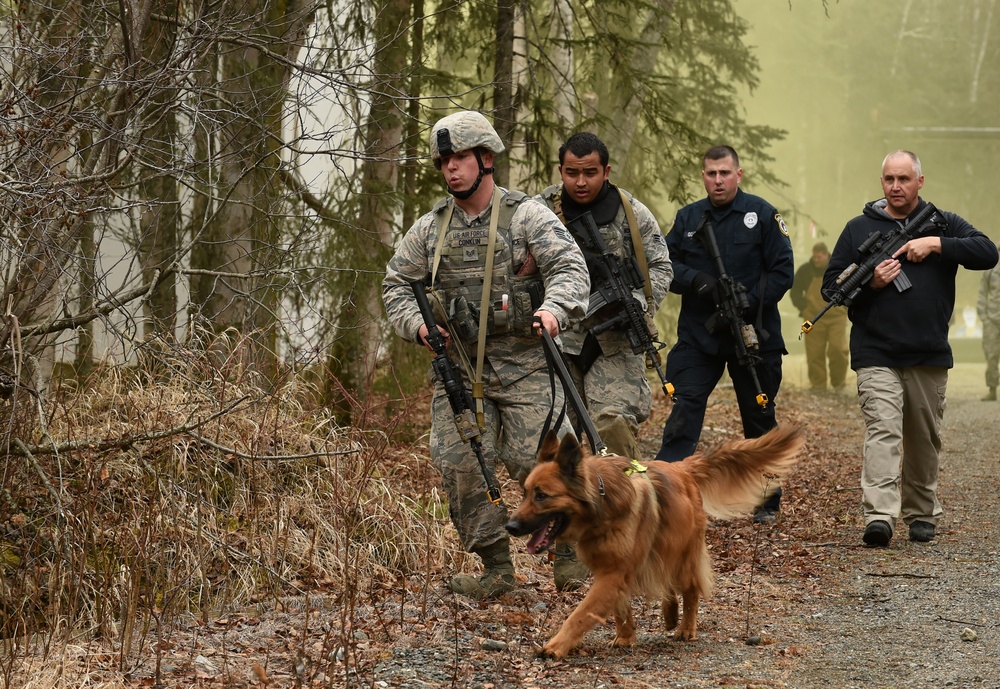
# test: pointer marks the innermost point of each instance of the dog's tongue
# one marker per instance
(538, 542)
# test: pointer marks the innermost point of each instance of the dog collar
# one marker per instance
(635, 468)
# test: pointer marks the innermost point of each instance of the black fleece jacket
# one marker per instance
(910, 328)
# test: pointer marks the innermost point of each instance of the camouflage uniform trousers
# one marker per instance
(991, 348)
(515, 415)
(618, 399)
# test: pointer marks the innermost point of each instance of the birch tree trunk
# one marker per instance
(517, 145)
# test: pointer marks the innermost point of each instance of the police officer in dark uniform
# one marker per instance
(757, 253)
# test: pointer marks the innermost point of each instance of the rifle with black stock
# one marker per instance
(732, 303)
(458, 396)
(875, 249)
(612, 289)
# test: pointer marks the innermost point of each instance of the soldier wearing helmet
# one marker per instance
(465, 131)
(537, 278)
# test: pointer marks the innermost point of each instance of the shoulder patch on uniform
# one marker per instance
(781, 224)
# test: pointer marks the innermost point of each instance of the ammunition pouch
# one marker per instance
(510, 316)
(525, 292)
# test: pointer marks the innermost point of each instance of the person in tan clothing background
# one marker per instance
(988, 310)
(826, 343)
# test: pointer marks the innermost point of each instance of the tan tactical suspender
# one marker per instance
(478, 387)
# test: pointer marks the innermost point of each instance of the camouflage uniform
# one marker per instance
(517, 398)
(988, 311)
(615, 387)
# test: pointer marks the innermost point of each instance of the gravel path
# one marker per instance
(825, 612)
(828, 612)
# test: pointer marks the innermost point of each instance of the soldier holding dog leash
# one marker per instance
(485, 254)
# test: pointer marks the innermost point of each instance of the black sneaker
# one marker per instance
(921, 532)
(877, 534)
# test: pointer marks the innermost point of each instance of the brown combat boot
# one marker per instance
(991, 396)
(497, 577)
(568, 571)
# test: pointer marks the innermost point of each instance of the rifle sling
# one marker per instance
(588, 353)
(637, 246)
(478, 387)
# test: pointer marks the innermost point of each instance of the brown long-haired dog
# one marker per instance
(640, 528)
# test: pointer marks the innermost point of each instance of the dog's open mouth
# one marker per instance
(544, 536)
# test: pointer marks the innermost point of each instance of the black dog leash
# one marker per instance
(557, 367)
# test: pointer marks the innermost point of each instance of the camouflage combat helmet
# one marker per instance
(461, 131)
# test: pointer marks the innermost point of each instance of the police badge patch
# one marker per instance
(781, 224)
(750, 220)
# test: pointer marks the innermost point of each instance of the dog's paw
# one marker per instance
(628, 640)
(685, 635)
(551, 652)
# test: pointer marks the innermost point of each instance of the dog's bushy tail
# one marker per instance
(737, 476)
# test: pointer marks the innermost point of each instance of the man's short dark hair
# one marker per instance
(820, 247)
(720, 152)
(582, 144)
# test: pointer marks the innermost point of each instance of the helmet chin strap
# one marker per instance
(462, 195)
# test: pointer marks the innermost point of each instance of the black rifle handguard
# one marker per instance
(612, 287)
(731, 305)
(458, 396)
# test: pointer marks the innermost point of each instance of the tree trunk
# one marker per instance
(503, 86)
(239, 247)
(353, 355)
(158, 224)
(619, 99)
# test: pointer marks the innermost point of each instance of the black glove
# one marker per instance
(704, 286)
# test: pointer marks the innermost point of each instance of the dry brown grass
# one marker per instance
(135, 501)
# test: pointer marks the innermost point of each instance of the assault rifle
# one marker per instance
(612, 289)
(873, 251)
(732, 303)
(458, 396)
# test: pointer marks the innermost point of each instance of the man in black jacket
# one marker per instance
(900, 350)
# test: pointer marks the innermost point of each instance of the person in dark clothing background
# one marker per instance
(756, 253)
(900, 350)
(827, 340)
